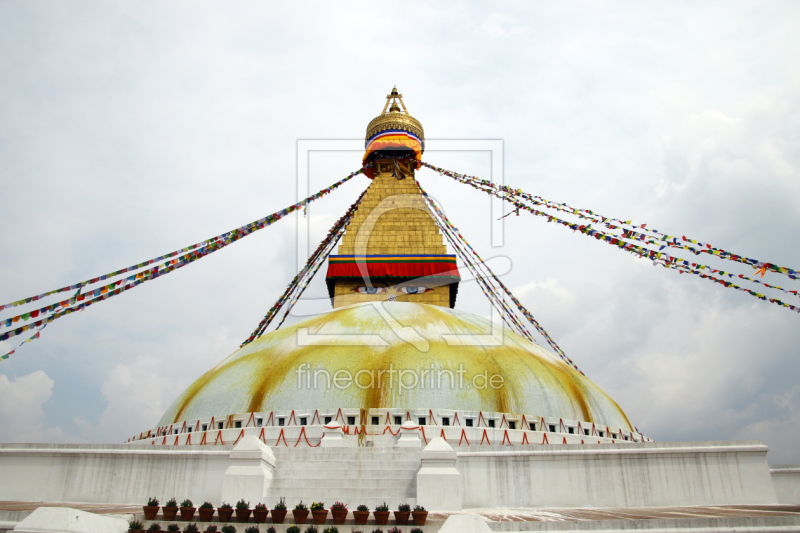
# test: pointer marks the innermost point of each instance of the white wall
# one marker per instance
(623, 475)
(111, 473)
(572, 475)
(786, 479)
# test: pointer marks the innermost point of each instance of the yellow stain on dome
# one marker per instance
(263, 376)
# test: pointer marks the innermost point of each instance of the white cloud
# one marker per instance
(137, 395)
(21, 413)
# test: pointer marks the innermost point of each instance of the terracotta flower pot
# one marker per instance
(224, 514)
(150, 511)
(419, 517)
(260, 515)
(339, 516)
(169, 513)
(300, 516)
(320, 516)
(187, 513)
(401, 517)
(381, 517)
(361, 517)
(242, 515)
(205, 514)
(278, 516)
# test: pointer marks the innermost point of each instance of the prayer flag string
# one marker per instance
(247, 228)
(456, 239)
(622, 242)
(31, 339)
(298, 285)
(117, 287)
(656, 237)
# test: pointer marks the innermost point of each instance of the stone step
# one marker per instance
(384, 477)
(760, 524)
(371, 484)
(351, 496)
(342, 466)
(345, 466)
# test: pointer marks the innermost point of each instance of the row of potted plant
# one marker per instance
(299, 513)
(136, 527)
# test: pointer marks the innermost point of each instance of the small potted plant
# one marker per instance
(260, 513)
(253, 529)
(312, 529)
(151, 509)
(134, 526)
(225, 511)
(155, 526)
(381, 514)
(377, 531)
(415, 530)
(271, 529)
(401, 514)
(361, 514)
(191, 528)
(228, 529)
(293, 529)
(211, 529)
(300, 513)
(187, 510)
(206, 511)
(420, 515)
(319, 512)
(332, 529)
(170, 510)
(242, 511)
(395, 530)
(339, 512)
(279, 512)
(173, 527)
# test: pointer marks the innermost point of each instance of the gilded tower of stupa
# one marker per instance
(393, 249)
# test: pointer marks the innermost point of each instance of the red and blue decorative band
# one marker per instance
(400, 266)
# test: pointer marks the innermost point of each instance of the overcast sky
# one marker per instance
(130, 129)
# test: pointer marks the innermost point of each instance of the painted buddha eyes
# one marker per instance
(412, 289)
(370, 290)
(407, 289)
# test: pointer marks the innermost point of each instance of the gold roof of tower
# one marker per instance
(395, 119)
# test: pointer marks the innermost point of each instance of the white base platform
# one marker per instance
(644, 474)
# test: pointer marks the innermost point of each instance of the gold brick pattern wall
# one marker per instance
(404, 226)
(401, 225)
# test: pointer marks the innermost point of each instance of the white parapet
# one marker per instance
(409, 436)
(332, 436)
(786, 479)
(438, 480)
(618, 475)
(250, 474)
(64, 519)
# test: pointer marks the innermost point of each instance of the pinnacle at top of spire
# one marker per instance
(395, 118)
(393, 98)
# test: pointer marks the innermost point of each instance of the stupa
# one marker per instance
(395, 396)
(394, 348)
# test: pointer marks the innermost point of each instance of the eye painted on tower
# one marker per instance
(369, 290)
(413, 289)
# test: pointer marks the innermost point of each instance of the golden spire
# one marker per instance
(395, 119)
